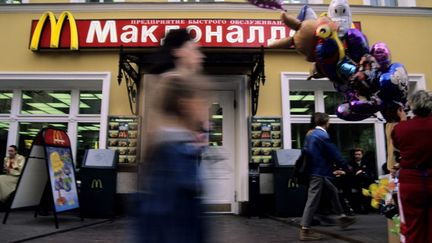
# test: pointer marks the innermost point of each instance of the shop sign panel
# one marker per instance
(66, 32)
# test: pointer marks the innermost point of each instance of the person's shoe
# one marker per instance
(345, 221)
(309, 235)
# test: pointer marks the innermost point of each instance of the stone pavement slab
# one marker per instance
(21, 225)
(369, 228)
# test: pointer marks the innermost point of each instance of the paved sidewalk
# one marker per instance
(23, 227)
(368, 228)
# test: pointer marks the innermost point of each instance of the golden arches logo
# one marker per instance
(58, 137)
(56, 27)
(97, 183)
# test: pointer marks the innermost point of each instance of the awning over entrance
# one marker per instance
(132, 65)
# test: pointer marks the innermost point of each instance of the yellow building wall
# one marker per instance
(407, 37)
(419, 3)
(424, 3)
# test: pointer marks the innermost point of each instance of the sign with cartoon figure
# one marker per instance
(60, 167)
(49, 163)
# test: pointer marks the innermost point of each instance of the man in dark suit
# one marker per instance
(361, 176)
(321, 155)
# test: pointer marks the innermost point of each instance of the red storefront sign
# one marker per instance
(142, 33)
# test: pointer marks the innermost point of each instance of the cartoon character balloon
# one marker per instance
(366, 76)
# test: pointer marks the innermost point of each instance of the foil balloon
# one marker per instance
(382, 54)
(344, 112)
(394, 84)
(339, 11)
(357, 44)
(305, 13)
(369, 106)
(268, 4)
(329, 51)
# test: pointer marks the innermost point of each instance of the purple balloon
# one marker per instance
(268, 4)
(357, 44)
(366, 106)
(344, 112)
(382, 54)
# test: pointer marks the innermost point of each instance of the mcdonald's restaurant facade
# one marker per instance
(83, 67)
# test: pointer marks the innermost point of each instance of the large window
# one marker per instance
(303, 97)
(390, 3)
(78, 104)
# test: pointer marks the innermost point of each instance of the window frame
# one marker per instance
(297, 81)
(100, 1)
(400, 3)
(57, 81)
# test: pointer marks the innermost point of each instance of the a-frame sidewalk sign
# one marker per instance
(49, 163)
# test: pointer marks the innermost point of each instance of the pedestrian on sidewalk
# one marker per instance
(170, 208)
(170, 204)
(321, 155)
(413, 139)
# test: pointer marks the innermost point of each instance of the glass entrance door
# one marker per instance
(217, 166)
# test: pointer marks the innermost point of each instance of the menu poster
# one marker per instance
(60, 168)
(265, 135)
(123, 137)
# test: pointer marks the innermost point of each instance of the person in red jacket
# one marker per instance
(413, 139)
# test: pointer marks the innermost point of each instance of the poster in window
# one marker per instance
(123, 137)
(62, 176)
(265, 137)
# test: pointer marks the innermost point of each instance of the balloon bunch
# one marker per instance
(366, 76)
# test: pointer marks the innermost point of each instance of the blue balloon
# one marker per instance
(394, 84)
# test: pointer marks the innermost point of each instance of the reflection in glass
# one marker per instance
(216, 125)
(29, 130)
(4, 126)
(302, 103)
(345, 136)
(331, 101)
(90, 102)
(87, 138)
(388, 3)
(45, 102)
(5, 101)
